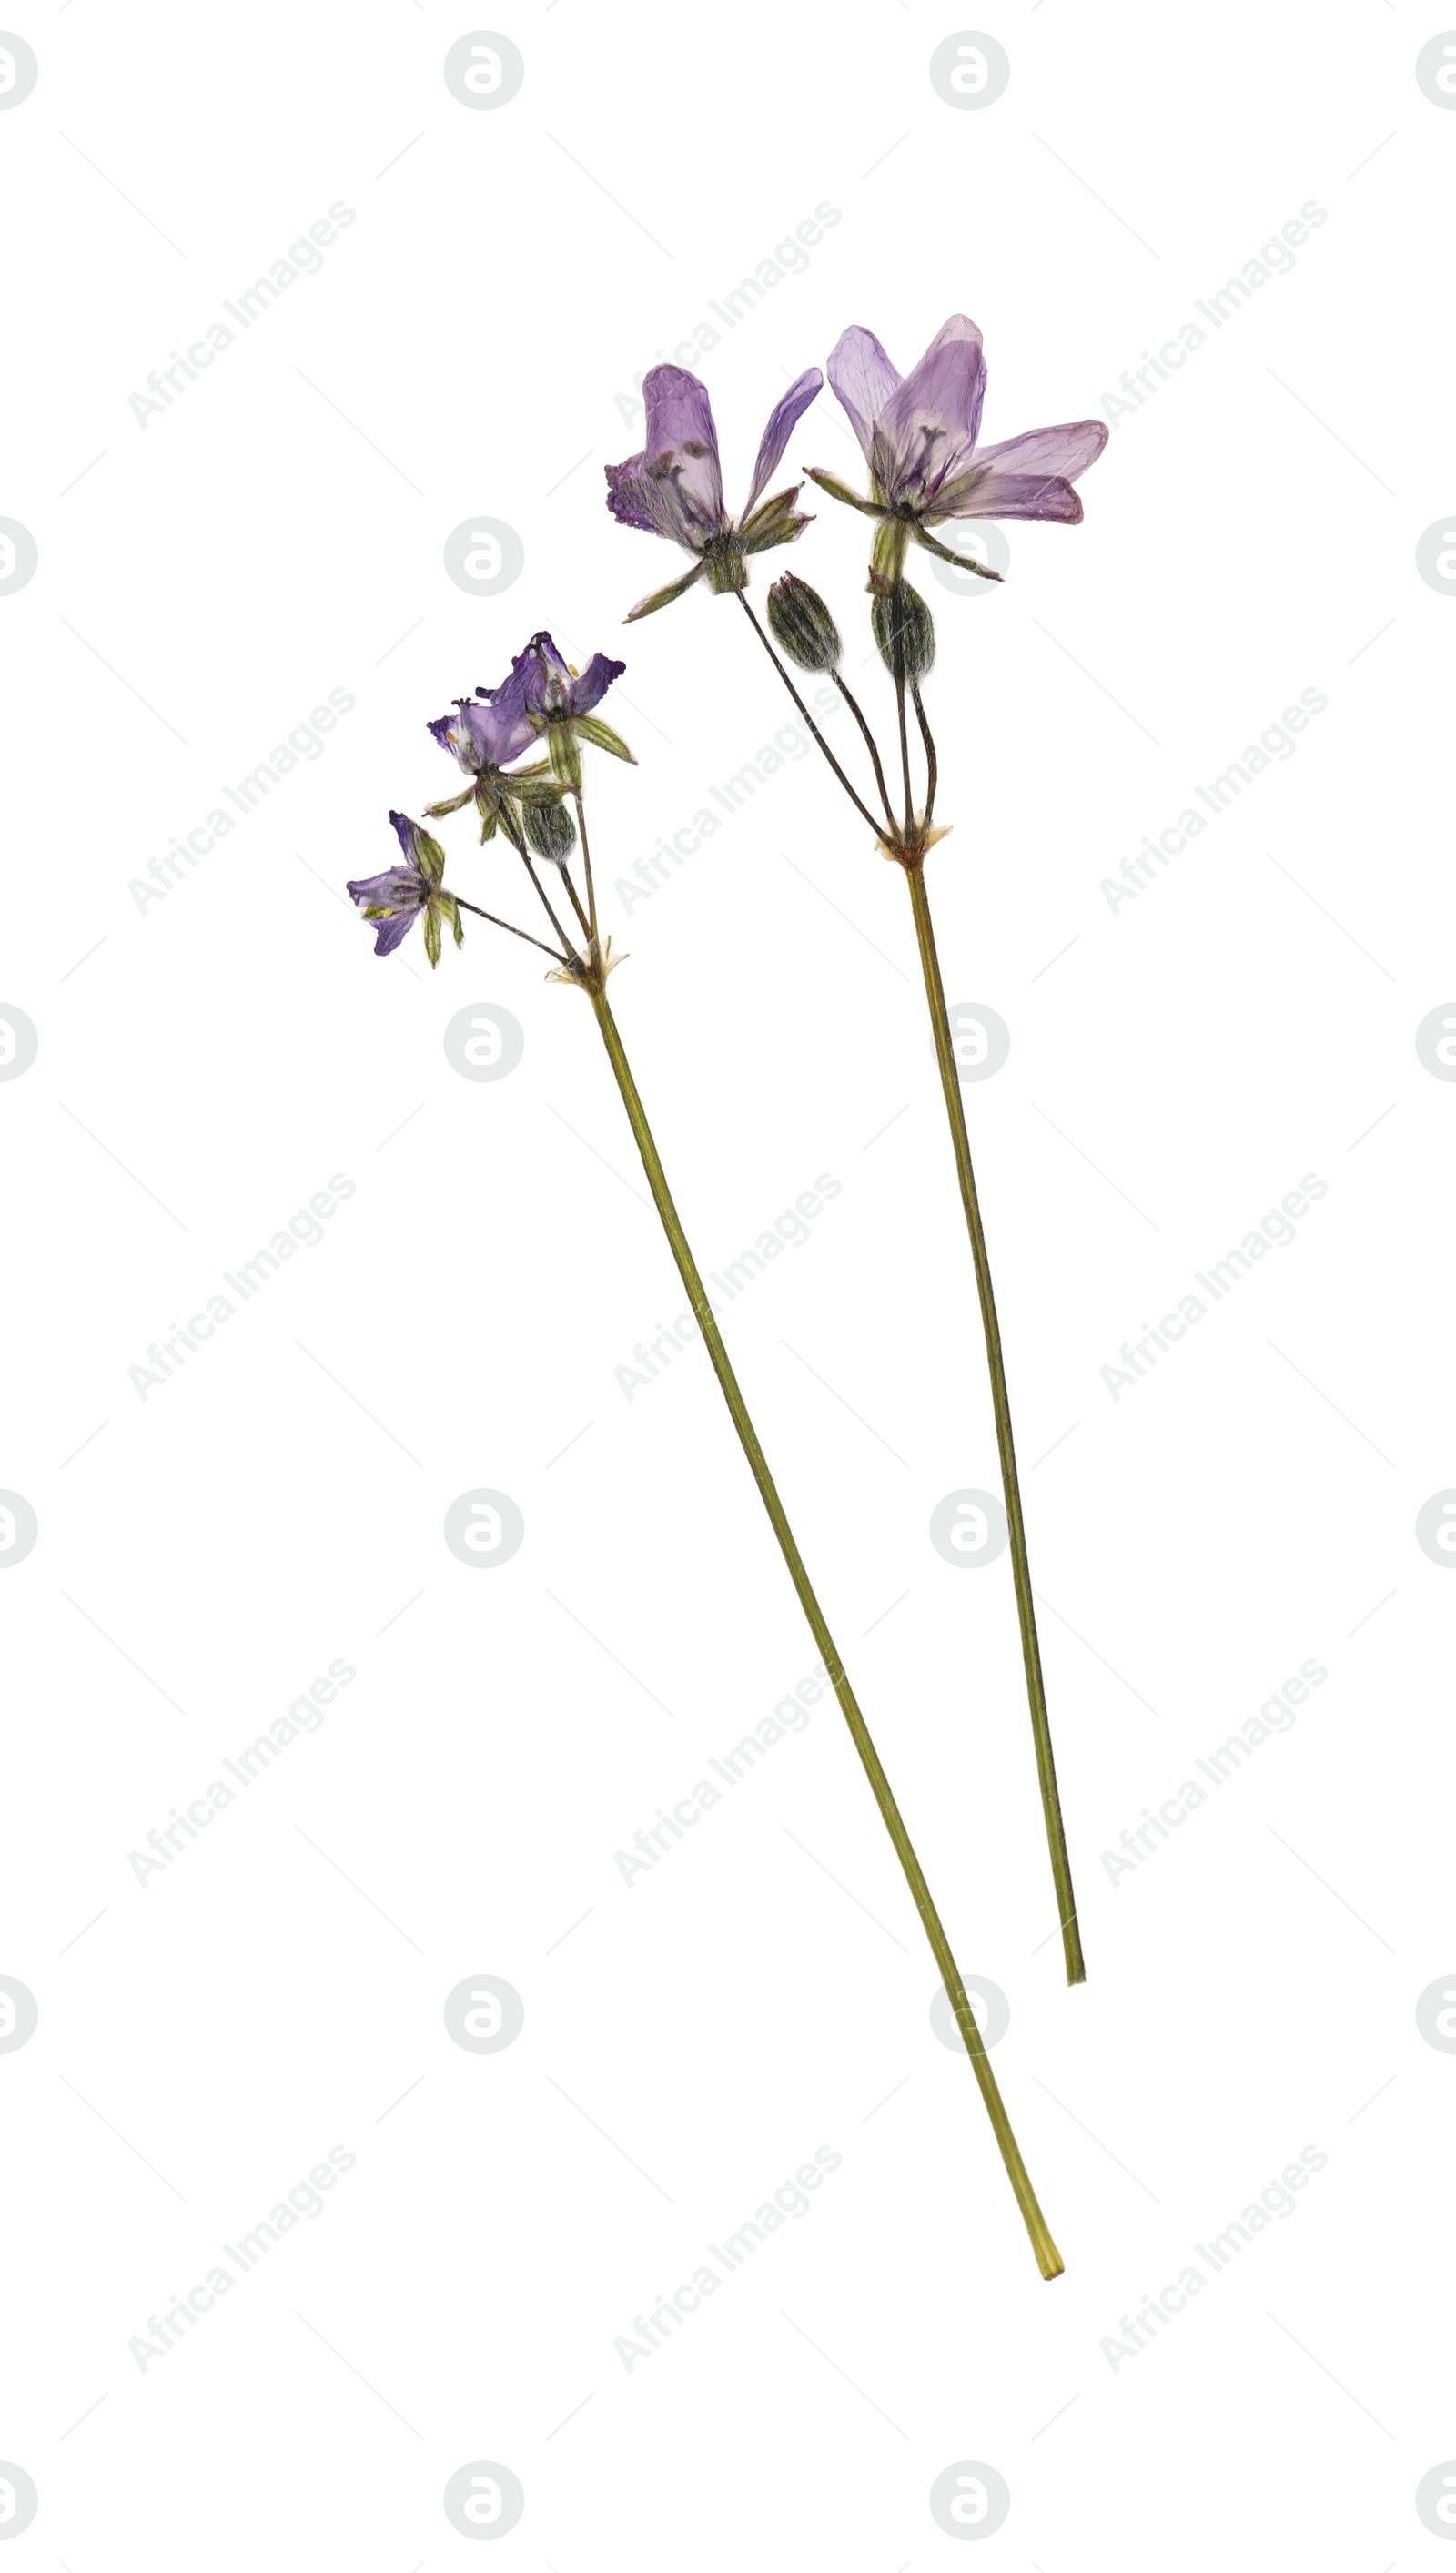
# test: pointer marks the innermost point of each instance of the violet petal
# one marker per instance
(864, 379)
(780, 425)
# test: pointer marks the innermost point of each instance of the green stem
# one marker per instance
(1047, 2256)
(1010, 1485)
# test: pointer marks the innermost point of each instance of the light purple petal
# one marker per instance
(502, 730)
(634, 501)
(780, 425)
(392, 931)
(1010, 496)
(927, 429)
(864, 379)
(1065, 452)
(675, 486)
(397, 889)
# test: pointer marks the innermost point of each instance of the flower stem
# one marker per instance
(855, 799)
(1047, 2256)
(1026, 1609)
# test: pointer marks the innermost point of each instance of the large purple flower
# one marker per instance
(394, 900)
(674, 489)
(919, 433)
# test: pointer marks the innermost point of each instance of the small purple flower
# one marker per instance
(394, 900)
(554, 692)
(494, 726)
(674, 489)
(919, 433)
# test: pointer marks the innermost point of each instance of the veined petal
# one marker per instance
(389, 934)
(864, 379)
(781, 423)
(587, 692)
(1067, 451)
(929, 427)
(682, 443)
(1010, 496)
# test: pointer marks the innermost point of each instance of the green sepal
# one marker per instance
(449, 910)
(432, 857)
(533, 787)
(724, 565)
(377, 911)
(487, 805)
(901, 617)
(432, 934)
(785, 531)
(601, 736)
(452, 804)
(565, 758)
(662, 597)
(838, 491)
(963, 562)
(779, 504)
(887, 554)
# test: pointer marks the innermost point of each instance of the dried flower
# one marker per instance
(674, 489)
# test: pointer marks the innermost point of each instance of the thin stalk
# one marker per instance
(855, 799)
(1010, 1485)
(871, 744)
(586, 863)
(1047, 2256)
(904, 738)
(496, 923)
(932, 766)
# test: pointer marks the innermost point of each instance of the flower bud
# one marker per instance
(550, 831)
(901, 616)
(802, 625)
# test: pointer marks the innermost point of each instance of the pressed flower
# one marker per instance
(396, 899)
(674, 489)
(920, 433)
(563, 703)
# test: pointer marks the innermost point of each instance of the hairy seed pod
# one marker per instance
(802, 625)
(901, 616)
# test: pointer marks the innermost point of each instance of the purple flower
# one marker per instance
(396, 899)
(919, 433)
(556, 693)
(674, 487)
(494, 726)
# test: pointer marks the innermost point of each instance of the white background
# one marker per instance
(205, 1063)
